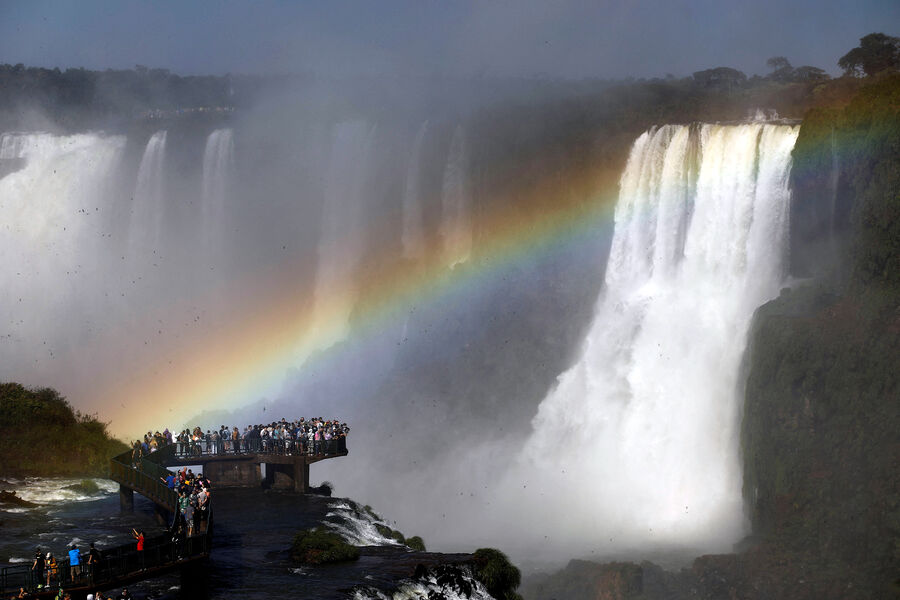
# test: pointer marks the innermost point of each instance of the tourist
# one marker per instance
(125, 595)
(37, 568)
(93, 561)
(139, 536)
(52, 568)
(74, 562)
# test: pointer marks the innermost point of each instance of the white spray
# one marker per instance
(413, 236)
(456, 201)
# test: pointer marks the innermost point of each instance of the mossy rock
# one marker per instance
(319, 546)
(398, 537)
(499, 576)
(415, 543)
(85, 486)
(384, 530)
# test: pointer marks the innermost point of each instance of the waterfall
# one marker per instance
(413, 237)
(456, 225)
(218, 167)
(54, 230)
(342, 239)
(640, 435)
(147, 213)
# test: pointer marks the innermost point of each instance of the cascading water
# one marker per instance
(147, 213)
(218, 168)
(456, 224)
(342, 240)
(55, 232)
(640, 436)
(413, 236)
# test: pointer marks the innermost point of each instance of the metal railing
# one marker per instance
(119, 563)
(185, 451)
(144, 476)
(115, 565)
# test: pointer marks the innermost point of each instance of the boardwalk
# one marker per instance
(123, 565)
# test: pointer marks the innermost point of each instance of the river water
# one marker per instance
(254, 529)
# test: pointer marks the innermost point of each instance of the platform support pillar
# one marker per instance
(126, 499)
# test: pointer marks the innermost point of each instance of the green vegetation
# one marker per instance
(876, 52)
(40, 435)
(499, 576)
(319, 546)
(85, 486)
(416, 543)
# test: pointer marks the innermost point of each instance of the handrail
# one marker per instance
(185, 452)
(122, 561)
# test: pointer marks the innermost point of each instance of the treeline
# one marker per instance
(41, 435)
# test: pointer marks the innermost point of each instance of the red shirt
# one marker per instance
(140, 543)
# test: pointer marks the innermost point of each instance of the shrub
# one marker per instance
(415, 543)
(319, 546)
(499, 576)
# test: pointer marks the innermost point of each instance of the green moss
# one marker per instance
(398, 537)
(416, 543)
(85, 486)
(319, 546)
(499, 576)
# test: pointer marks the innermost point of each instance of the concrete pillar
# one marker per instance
(162, 516)
(126, 499)
(233, 473)
(301, 476)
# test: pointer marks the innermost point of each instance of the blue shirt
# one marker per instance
(74, 557)
(170, 481)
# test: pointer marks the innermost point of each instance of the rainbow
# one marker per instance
(271, 336)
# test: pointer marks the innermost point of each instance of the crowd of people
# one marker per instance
(49, 572)
(316, 436)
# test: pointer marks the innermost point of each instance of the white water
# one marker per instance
(413, 236)
(456, 203)
(637, 444)
(148, 205)
(53, 226)
(428, 588)
(218, 170)
(342, 240)
(357, 526)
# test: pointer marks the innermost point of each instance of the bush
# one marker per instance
(319, 546)
(416, 543)
(499, 576)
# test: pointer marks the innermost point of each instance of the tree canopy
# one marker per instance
(876, 52)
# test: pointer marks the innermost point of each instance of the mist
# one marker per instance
(429, 222)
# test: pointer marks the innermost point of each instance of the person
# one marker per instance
(22, 593)
(52, 568)
(37, 569)
(125, 595)
(93, 560)
(139, 536)
(74, 562)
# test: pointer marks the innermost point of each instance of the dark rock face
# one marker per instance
(11, 498)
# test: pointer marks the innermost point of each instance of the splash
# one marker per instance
(456, 203)
(413, 236)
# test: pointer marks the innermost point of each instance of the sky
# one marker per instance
(567, 39)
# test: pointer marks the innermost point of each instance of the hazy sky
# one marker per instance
(605, 38)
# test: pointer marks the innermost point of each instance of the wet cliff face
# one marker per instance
(819, 433)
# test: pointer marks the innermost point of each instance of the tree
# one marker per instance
(778, 62)
(781, 69)
(808, 73)
(876, 52)
(720, 77)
